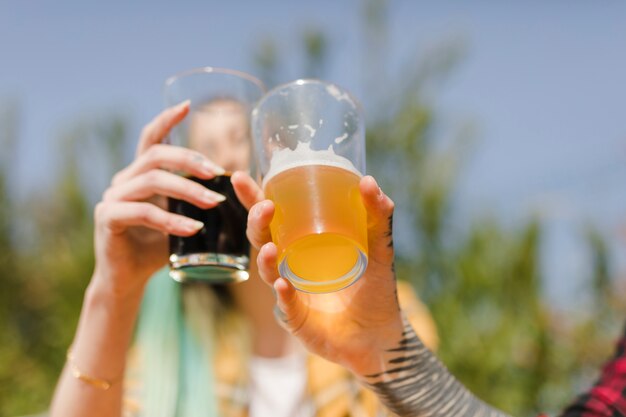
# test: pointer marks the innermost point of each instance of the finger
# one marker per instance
(155, 131)
(380, 220)
(246, 188)
(158, 182)
(291, 311)
(171, 158)
(259, 219)
(118, 216)
(267, 263)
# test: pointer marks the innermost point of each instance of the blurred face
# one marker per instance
(219, 130)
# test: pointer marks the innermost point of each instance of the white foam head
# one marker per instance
(285, 158)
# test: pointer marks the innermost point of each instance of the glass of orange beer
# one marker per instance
(310, 141)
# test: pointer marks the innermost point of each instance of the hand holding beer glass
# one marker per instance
(310, 138)
(218, 127)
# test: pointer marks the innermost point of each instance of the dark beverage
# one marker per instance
(219, 252)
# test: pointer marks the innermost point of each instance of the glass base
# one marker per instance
(211, 268)
(320, 287)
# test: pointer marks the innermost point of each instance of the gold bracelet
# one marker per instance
(99, 383)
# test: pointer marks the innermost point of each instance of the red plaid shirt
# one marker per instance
(607, 398)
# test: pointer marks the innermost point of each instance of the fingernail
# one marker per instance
(379, 192)
(372, 179)
(212, 168)
(212, 197)
(182, 105)
(261, 207)
(257, 211)
(193, 224)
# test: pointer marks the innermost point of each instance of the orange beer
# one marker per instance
(319, 225)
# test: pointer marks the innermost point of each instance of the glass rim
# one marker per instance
(219, 70)
(303, 81)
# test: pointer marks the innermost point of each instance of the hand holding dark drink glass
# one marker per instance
(132, 217)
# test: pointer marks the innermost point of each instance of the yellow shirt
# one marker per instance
(331, 391)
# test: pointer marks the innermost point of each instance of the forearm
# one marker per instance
(412, 382)
(99, 350)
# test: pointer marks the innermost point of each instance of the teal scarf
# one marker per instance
(177, 370)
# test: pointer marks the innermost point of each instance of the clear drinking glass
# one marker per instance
(218, 125)
(310, 141)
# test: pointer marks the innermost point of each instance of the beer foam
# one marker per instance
(339, 95)
(284, 159)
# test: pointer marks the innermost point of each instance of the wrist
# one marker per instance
(116, 286)
(100, 300)
(373, 356)
(104, 333)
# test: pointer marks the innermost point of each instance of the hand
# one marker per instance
(132, 221)
(352, 326)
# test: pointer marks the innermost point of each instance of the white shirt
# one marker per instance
(278, 386)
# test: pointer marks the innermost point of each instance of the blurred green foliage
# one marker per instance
(46, 259)
(482, 282)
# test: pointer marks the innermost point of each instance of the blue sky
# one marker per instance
(542, 83)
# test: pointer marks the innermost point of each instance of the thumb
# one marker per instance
(379, 209)
(246, 189)
(290, 308)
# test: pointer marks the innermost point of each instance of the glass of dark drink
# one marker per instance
(218, 126)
